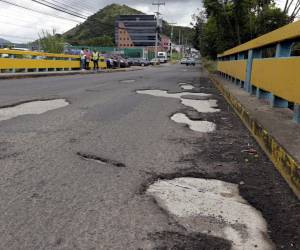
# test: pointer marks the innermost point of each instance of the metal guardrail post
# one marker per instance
(296, 116)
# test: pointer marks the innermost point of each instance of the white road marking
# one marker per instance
(34, 107)
(199, 126)
(213, 207)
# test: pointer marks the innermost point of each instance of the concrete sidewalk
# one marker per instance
(273, 128)
(5, 76)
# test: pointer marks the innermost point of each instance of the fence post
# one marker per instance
(297, 113)
(13, 70)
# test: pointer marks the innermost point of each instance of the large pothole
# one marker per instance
(214, 208)
(199, 126)
(30, 108)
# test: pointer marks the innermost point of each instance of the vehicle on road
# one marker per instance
(183, 60)
(190, 62)
(155, 61)
(163, 57)
(139, 62)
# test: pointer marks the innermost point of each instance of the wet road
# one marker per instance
(76, 177)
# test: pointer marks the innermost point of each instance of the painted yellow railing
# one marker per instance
(31, 60)
(275, 79)
(279, 77)
(236, 69)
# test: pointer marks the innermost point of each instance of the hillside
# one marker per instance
(3, 41)
(98, 29)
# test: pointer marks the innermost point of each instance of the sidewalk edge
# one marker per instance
(284, 162)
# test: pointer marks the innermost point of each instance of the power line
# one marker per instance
(56, 7)
(71, 5)
(40, 12)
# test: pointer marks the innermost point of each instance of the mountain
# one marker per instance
(99, 29)
(3, 41)
(100, 26)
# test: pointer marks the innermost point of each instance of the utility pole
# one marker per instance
(158, 4)
(171, 38)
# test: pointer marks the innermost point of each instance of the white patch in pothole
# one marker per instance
(204, 106)
(34, 107)
(213, 207)
(187, 87)
(127, 81)
(199, 126)
(164, 93)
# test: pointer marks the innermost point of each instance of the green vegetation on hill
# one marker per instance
(99, 29)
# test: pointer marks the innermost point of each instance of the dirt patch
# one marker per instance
(101, 160)
(179, 241)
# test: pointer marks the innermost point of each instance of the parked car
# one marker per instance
(190, 61)
(155, 61)
(183, 60)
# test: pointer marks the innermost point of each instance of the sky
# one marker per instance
(20, 25)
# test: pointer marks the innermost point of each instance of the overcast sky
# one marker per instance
(20, 25)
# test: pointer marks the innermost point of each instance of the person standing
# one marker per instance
(87, 59)
(95, 58)
(82, 59)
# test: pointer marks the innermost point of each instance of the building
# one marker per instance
(135, 31)
(165, 43)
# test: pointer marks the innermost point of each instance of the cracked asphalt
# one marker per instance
(51, 198)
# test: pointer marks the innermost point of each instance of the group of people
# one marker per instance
(86, 57)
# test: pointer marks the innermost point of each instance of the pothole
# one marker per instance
(199, 126)
(127, 81)
(214, 208)
(30, 108)
(186, 86)
(203, 106)
(101, 160)
(164, 93)
(194, 97)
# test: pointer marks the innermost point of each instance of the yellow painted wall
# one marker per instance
(279, 76)
(236, 68)
(286, 32)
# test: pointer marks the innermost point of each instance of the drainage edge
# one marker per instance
(283, 161)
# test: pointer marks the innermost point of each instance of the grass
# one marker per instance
(210, 65)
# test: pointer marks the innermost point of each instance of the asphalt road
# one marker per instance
(51, 197)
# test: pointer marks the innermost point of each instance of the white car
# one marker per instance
(183, 60)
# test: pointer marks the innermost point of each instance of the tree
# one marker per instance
(223, 24)
(51, 42)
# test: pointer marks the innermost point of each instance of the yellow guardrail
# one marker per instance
(236, 69)
(278, 76)
(275, 78)
(28, 60)
(284, 33)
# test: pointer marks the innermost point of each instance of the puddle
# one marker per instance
(199, 126)
(127, 81)
(31, 108)
(203, 106)
(101, 160)
(214, 208)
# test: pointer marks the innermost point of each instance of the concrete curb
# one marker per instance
(284, 162)
(60, 73)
